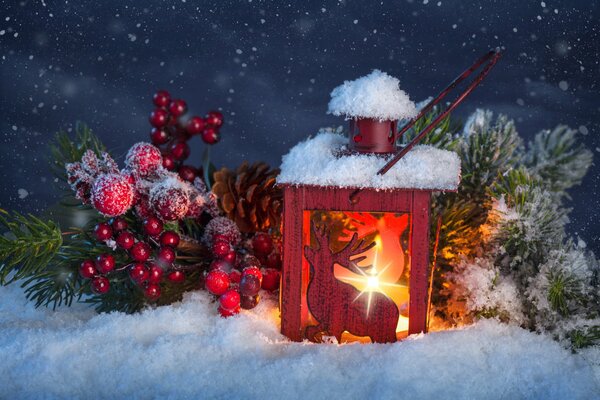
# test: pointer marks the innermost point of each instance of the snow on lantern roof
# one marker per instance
(377, 95)
(315, 162)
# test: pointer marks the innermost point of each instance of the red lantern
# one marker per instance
(356, 228)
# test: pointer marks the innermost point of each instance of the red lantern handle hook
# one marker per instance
(489, 59)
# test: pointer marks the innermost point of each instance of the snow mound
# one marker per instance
(314, 162)
(188, 351)
(377, 95)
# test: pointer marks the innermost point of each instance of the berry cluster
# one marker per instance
(172, 130)
(151, 256)
(236, 276)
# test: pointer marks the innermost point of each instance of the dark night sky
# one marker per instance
(270, 67)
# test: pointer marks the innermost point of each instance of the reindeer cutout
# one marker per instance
(338, 306)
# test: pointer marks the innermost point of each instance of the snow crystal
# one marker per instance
(314, 162)
(377, 95)
(23, 193)
(188, 351)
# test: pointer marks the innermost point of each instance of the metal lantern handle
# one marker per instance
(489, 59)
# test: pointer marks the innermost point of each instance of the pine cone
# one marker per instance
(249, 196)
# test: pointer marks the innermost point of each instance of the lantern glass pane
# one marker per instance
(381, 277)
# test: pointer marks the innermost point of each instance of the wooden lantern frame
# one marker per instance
(300, 198)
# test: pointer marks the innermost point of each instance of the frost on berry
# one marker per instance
(170, 198)
(221, 226)
(144, 159)
(81, 175)
(196, 204)
(112, 194)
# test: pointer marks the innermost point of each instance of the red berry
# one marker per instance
(251, 261)
(253, 271)
(187, 173)
(153, 226)
(112, 194)
(217, 282)
(180, 150)
(140, 251)
(87, 269)
(220, 237)
(176, 276)
(249, 285)
(156, 273)
(168, 162)
(103, 231)
(235, 276)
(196, 125)
(125, 240)
(159, 118)
(105, 263)
(221, 265)
(214, 118)
(144, 159)
(270, 279)
(161, 98)
(262, 243)
(230, 299)
(169, 238)
(165, 256)
(210, 135)
(230, 257)
(171, 202)
(274, 261)
(100, 285)
(139, 273)
(221, 248)
(118, 224)
(159, 136)
(177, 108)
(249, 302)
(228, 313)
(152, 292)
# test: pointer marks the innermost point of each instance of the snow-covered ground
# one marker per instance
(187, 351)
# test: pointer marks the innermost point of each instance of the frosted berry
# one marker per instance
(100, 285)
(217, 282)
(230, 257)
(159, 118)
(251, 261)
(187, 173)
(105, 263)
(165, 256)
(169, 238)
(180, 150)
(273, 261)
(262, 243)
(87, 269)
(112, 194)
(210, 135)
(197, 206)
(176, 276)
(152, 292)
(235, 276)
(270, 279)
(221, 248)
(162, 98)
(249, 302)
(159, 136)
(103, 231)
(253, 271)
(230, 299)
(225, 312)
(170, 201)
(196, 125)
(118, 224)
(139, 273)
(221, 265)
(168, 162)
(144, 159)
(177, 108)
(214, 118)
(221, 226)
(140, 251)
(156, 273)
(153, 226)
(125, 240)
(249, 285)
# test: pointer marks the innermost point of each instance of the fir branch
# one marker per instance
(27, 247)
(562, 288)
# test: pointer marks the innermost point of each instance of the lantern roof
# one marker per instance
(317, 161)
(377, 95)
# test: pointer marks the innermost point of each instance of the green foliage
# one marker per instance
(27, 246)
(562, 287)
(586, 336)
